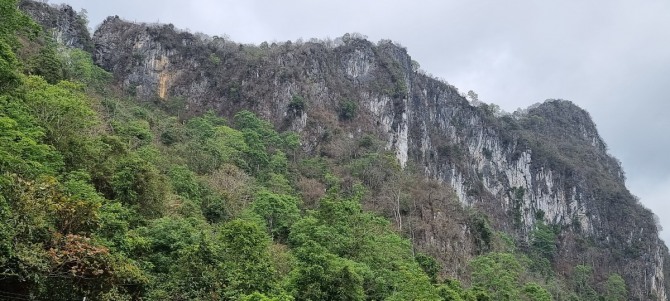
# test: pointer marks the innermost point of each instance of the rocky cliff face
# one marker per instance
(66, 25)
(546, 164)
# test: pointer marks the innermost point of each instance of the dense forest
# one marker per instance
(108, 198)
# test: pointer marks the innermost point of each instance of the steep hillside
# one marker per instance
(546, 164)
(363, 179)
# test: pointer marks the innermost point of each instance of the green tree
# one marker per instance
(581, 282)
(182, 256)
(256, 156)
(13, 22)
(138, 132)
(451, 290)
(6, 232)
(348, 109)
(383, 259)
(615, 288)
(262, 297)
(297, 105)
(543, 241)
(21, 149)
(534, 292)
(429, 265)
(138, 183)
(321, 275)
(9, 77)
(79, 66)
(248, 121)
(278, 211)
(497, 273)
(477, 294)
(247, 266)
(46, 63)
(210, 144)
(63, 111)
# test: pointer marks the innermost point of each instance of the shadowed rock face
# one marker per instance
(544, 163)
(67, 26)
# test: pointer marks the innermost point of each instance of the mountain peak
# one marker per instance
(334, 150)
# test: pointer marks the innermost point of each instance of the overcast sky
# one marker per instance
(611, 57)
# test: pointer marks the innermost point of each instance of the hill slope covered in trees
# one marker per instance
(165, 166)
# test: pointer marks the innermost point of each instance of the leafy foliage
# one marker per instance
(297, 105)
(110, 199)
(348, 109)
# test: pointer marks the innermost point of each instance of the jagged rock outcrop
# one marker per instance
(544, 164)
(66, 25)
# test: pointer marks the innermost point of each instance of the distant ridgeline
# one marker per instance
(149, 163)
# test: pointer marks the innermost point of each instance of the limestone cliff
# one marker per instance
(544, 164)
(66, 25)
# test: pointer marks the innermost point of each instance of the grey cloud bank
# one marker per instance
(612, 58)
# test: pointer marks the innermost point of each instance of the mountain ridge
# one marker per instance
(397, 100)
(548, 162)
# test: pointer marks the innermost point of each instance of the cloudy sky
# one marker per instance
(611, 57)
